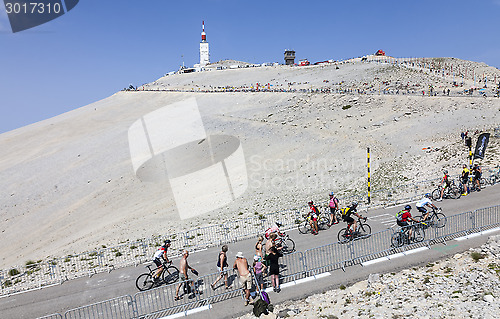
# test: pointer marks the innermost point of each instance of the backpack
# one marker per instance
(260, 307)
(265, 297)
(399, 215)
(344, 211)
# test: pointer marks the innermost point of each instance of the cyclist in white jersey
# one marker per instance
(425, 201)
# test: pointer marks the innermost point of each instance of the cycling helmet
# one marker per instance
(428, 195)
(445, 171)
(310, 203)
(354, 203)
(331, 194)
(167, 242)
(407, 207)
(279, 224)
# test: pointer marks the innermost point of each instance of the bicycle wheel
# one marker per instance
(305, 227)
(323, 222)
(418, 234)
(170, 275)
(343, 236)
(493, 180)
(144, 282)
(364, 230)
(397, 239)
(288, 246)
(438, 220)
(455, 193)
(436, 194)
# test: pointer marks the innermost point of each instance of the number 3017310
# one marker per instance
(32, 8)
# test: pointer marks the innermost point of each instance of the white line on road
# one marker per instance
(300, 281)
(187, 313)
(409, 252)
(478, 234)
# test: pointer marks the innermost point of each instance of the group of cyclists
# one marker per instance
(403, 217)
(334, 206)
(476, 173)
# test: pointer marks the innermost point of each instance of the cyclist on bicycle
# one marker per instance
(274, 229)
(334, 206)
(313, 217)
(160, 254)
(477, 176)
(465, 180)
(445, 183)
(402, 218)
(346, 216)
(425, 201)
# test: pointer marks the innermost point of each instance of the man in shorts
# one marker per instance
(183, 275)
(241, 264)
(465, 180)
(334, 206)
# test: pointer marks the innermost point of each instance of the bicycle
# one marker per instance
(146, 281)
(363, 230)
(452, 192)
(285, 242)
(305, 226)
(402, 236)
(495, 176)
(436, 219)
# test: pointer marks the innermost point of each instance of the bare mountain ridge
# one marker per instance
(70, 186)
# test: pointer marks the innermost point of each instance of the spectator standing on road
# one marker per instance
(183, 275)
(241, 264)
(222, 267)
(334, 206)
(270, 243)
(258, 247)
(274, 268)
(477, 176)
(258, 269)
(465, 180)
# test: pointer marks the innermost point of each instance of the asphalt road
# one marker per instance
(104, 286)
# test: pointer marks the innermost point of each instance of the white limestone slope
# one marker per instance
(69, 186)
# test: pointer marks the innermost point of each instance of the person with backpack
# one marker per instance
(346, 215)
(313, 215)
(334, 206)
(222, 267)
(258, 269)
(402, 218)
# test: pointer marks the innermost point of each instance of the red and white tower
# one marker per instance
(204, 53)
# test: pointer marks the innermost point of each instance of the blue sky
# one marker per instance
(100, 47)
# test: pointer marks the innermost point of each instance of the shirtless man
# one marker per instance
(183, 267)
(241, 264)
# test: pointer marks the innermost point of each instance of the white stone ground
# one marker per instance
(456, 287)
(69, 187)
